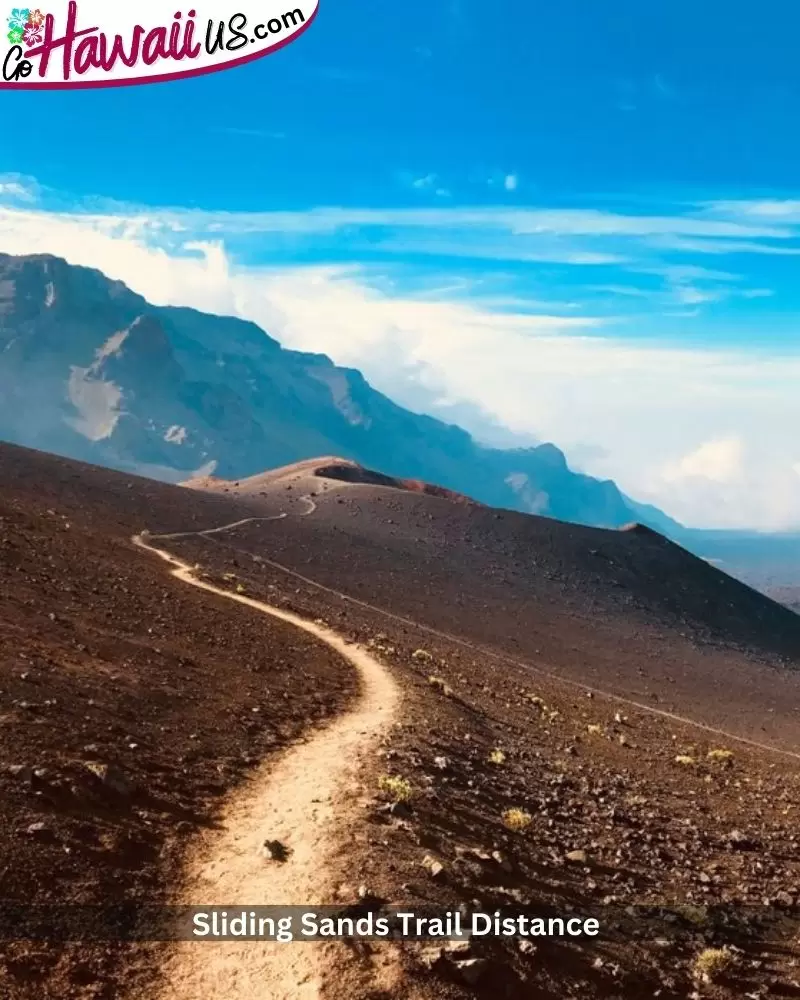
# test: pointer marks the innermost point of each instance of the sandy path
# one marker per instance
(307, 801)
(474, 647)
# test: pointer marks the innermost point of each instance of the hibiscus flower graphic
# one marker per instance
(19, 18)
(15, 36)
(33, 35)
(35, 19)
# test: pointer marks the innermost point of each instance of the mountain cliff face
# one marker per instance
(90, 370)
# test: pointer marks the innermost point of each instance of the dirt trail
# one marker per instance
(484, 651)
(307, 802)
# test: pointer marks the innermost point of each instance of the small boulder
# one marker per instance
(274, 850)
(457, 949)
(739, 841)
(434, 868)
(472, 970)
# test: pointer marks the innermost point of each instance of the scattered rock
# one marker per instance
(739, 841)
(41, 831)
(472, 970)
(274, 850)
(22, 771)
(430, 957)
(577, 857)
(434, 868)
(112, 778)
(504, 863)
(458, 949)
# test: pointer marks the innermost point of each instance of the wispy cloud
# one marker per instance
(717, 246)
(664, 88)
(13, 187)
(785, 210)
(430, 183)
(531, 346)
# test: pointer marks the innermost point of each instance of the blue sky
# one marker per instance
(572, 221)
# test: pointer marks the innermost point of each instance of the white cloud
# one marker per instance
(430, 183)
(511, 183)
(723, 246)
(687, 295)
(736, 474)
(640, 407)
(785, 210)
(655, 418)
(720, 461)
(17, 189)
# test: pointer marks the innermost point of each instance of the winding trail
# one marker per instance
(476, 647)
(308, 802)
(205, 532)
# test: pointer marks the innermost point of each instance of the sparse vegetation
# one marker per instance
(594, 730)
(422, 656)
(721, 756)
(396, 788)
(713, 963)
(685, 759)
(517, 820)
(379, 643)
(497, 757)
(697, 916)
(440, 684)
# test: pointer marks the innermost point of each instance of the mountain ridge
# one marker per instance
(91, 370)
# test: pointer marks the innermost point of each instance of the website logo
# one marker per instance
(93, 43)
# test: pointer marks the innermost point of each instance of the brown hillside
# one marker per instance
(339, 469)
(562, 648)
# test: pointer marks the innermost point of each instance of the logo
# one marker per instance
(91, 43)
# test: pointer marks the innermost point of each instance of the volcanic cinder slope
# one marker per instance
(626, 610)
(636, 703)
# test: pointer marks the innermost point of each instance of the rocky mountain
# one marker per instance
(90, 370)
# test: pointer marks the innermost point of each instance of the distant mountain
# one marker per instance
(648, 514)
(90, 370)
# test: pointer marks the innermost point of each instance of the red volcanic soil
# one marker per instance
(338, 469)
(563, 648)
(349, 472)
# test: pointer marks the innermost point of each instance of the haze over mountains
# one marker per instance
(90, 370)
